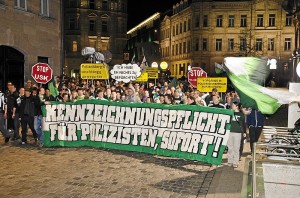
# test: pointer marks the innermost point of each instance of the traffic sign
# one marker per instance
(194, 73)
(41, 73)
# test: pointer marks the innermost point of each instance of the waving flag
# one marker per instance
(247, 75)
(52, 87)
(143, 64)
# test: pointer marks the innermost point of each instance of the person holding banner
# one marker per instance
(236, 133)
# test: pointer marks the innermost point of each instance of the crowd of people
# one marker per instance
(22, 107)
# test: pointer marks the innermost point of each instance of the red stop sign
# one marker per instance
(194, 73)
(41, 73)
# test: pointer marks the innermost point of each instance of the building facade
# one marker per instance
(30, 33)
(201, 33)
(101, 24)
(204, 32)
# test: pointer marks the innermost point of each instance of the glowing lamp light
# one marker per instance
(154, 64)
(163, 65)
(272, 63)
(298, 69)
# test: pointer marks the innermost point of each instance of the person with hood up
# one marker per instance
(131, 96)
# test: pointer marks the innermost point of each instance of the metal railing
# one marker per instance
(254, 170)
(286, 156)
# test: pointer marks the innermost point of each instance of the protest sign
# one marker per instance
(94, 71)
(125, 72)
(182, 131)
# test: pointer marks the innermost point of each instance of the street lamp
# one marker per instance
(293, 8)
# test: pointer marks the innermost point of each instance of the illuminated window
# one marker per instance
(74, 46)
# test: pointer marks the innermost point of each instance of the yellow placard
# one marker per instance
(142, 78)
(152, 72)
(94, 71)
(207, 84)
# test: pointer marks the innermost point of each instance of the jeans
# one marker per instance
(2, 126)
(38, 121)
(27, 120)
(16, 126)
(254, 133)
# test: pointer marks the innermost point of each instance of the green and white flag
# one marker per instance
(247, 75)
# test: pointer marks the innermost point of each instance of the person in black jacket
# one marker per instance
(16, 116)
(11, 97)
(26, 113)
(255, 123)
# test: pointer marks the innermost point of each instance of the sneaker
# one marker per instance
(235, 165)
(229, 164)
(23, 143)
(6, 139)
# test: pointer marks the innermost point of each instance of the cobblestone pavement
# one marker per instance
(30, 171)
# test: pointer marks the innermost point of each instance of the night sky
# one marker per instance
(139, 10)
